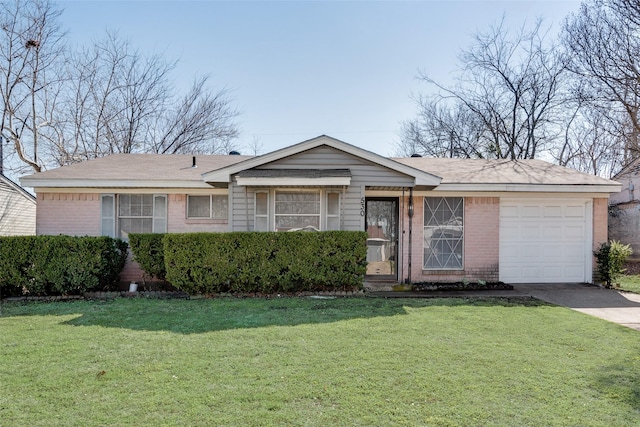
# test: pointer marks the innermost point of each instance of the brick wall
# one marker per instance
(481, 243)
(72, 214)
(600, 221)
(177, 221)
(600, 229)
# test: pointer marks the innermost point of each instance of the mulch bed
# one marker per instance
(176, 295)
(460, 286)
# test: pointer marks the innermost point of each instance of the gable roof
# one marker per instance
(509, 175)
(224, 175)
(174, 171)
(12, 186)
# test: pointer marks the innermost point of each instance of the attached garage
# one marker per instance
(545, 240)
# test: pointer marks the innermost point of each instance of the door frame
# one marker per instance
(396, 274)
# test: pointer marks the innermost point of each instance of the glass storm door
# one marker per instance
(382, 243)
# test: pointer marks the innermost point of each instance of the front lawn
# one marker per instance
(630, 283)
(315, 362)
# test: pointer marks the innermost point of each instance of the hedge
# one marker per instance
(247, 262)
(148, 252)
(60, 265)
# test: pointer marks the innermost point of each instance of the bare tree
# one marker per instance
(202, 123)
(256, 146)
(627, 9)
(591, 144)
(123, 101)
(443, 129)
(603, 39)
(508, 94)
(30, 45)
(62, 106)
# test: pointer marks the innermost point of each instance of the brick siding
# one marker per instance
(481, 243)
(72, 214)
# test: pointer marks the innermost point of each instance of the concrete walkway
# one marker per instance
(609, 304)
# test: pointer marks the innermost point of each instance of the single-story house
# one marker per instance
(17, 209)
(624, 212)
(428, 219)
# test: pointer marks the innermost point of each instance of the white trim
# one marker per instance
(224, 174)
(109, 183)
(588, 253)
(288, 181)
(532, 188)
(510, 195)
(135, 190)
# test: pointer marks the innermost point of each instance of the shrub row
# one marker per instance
(201, 263)
(60, 265)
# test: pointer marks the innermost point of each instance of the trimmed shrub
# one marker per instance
(265, 262)
(55, 265)
(610, 258)
(148, 252)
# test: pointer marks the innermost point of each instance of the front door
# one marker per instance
(382, 244)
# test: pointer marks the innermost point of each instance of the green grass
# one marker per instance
(630, 283)
(310, 362)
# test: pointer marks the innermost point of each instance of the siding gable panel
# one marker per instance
(363, 172)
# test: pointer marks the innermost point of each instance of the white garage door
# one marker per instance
(545, 241)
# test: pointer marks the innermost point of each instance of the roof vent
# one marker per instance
(234, 153)
(193, 165)
(416, 155)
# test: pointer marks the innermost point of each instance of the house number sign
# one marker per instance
(362, 205)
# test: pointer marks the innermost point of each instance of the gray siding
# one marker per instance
(362, 171)
(352, 216)
(242, 200)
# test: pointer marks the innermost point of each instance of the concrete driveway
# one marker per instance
(609, 304)
(615, 306)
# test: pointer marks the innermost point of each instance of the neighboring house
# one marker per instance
(17, 209)
(624, 211)
(429, 219)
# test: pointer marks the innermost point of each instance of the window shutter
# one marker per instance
(333, 211)
(108, 215)
(261, 222)
(159, 214)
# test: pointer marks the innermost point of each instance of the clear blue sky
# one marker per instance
(300, 69)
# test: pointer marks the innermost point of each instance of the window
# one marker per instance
(443, 233)
(208, 207)
(283, 210)
(297, 210)
(136, 213)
